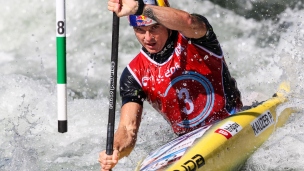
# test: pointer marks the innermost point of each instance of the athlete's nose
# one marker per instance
(149, 36)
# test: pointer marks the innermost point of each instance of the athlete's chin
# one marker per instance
(151, 49)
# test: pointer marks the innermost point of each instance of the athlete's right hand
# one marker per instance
(107, 162)
(123, 7)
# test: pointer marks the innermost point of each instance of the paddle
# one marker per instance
(113, 82)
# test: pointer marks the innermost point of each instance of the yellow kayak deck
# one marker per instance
(227, 144)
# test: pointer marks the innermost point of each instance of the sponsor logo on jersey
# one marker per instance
(179, 49)
(261, 123)
(145, 80)
(172, 70)
(229, 129)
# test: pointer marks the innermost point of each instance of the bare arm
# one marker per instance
(189, 25)
(126, 134)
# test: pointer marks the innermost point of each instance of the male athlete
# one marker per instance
(180, 70)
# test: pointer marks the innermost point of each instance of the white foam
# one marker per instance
(28, 112)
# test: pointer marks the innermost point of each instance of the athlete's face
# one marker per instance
(152, 37)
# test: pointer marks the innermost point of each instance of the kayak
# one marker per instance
(225, 145)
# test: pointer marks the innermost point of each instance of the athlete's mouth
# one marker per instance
(150, 45)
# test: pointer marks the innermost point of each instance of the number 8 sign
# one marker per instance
(60, 18)
(60, 27)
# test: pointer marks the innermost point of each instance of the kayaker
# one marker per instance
(180, 70)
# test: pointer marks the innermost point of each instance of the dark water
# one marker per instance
(260, 9)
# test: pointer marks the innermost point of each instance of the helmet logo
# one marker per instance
(142, 20)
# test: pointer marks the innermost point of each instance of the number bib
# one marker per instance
(187, 89)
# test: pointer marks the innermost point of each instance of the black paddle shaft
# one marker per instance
(113, 83)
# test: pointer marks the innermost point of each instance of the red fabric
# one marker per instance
(187, 89)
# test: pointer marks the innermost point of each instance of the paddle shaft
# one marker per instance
(113, 82)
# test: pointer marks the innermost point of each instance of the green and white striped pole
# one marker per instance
(61, 66)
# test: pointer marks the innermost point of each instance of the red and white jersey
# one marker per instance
(187, 89)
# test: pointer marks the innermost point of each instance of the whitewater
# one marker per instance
(260, 51)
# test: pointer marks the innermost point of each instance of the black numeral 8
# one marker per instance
(60, 25)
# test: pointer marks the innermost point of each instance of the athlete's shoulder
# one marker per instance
(209, 40)
(130, 89)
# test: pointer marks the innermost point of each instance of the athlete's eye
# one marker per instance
(138, 30)
(154, 27)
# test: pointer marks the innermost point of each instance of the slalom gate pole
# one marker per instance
(61, 66)
(113, 83)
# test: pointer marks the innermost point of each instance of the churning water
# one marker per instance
(263, 42)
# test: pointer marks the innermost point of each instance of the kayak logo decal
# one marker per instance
(173, 151)
(229, 129)
(261, 123)
(210, 97)
(194, 164)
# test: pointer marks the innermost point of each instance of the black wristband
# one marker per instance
(140, 8)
